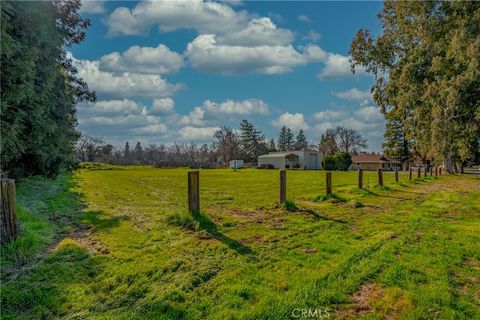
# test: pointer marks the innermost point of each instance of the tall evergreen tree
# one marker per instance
(282, 143)
(246, 141)
(126, 153)
(39, 87)
(271, 146)
(301, 141)
(251, 141)
(289, 139)
(138, 152)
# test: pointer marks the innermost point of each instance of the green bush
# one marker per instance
(340, 161)
(328, 163)
(343, 160)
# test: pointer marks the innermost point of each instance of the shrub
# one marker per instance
(328, 163)
(343, 160)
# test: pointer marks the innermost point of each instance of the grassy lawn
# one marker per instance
(119, 244)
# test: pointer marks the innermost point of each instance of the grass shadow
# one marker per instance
(202, 222)
(318, 216)
(366, 192)
(99, 221)
(206, 224)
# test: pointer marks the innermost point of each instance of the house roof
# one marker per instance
(371, 158)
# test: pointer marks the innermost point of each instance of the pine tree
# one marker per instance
(138, 152)
(281, 146)
(301, 141)
(271, 146)
(251, 141)
(126, 153)
(289, 139)
(246, 134)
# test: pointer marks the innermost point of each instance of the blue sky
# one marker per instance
(170, 71)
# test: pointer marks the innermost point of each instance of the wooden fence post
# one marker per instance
(380, 176)
(328, 177)
(410, 173)
(9, 223)
(419, 172)
(360, 178)
(396, 175)
(425, 171)
(194, 192)
(440, 171)
(436, 171)
(283, 186)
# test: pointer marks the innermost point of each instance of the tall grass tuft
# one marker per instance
(290, 205)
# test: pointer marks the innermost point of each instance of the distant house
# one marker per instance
(373, 162)
(299, 159)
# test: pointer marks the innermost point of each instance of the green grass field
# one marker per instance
(120, 244)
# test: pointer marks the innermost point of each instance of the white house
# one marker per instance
(299, 159)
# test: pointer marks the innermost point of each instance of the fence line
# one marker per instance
(194, 183)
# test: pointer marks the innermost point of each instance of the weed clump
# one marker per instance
(290, 205)
(334, 197)
(355, 203)
(383, 188)
(183, 219)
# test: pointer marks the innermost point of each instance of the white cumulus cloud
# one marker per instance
(162, 106)
(295, 121)
(190, 133)
(123, 85)
(205, 17)
(206, 54)
(148, 60)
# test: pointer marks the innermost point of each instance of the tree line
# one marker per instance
(426, 65)
(246, 143)
(40, 86)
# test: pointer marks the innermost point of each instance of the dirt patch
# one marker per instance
(308, 250)
(364, 297)
(82, 235)
(256, 239)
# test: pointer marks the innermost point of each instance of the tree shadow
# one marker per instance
(53, 278)
(95, 219)
(206, 224)
(100, 221)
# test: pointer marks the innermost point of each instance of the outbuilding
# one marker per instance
(297, 159)
(236, 164)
